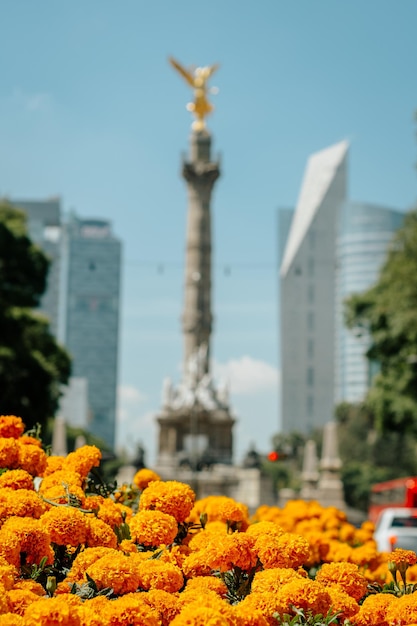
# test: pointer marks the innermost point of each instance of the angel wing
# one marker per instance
(212, 69)
(184, 73)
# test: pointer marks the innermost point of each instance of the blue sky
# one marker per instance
(90, 110)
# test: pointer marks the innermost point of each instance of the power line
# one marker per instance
(226, 268)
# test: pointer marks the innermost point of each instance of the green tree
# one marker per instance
(387, 313)
(32, 365)
(369, 456)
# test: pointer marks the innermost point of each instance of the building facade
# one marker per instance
(334, 248)
(364, 237)
(89, 315)
(307, 294)
(82, 302)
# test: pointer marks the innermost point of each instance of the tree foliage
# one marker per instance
(369, 456)
(32, 365)
(387, 313)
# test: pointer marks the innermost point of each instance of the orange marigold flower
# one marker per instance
(175, 554)
(347, 575)
(53, 464)
(29, 585)
(365, 555)
(195, 565)
(373, 610)
(108, 511)
(11, 426)
(220, 508)
(59, 611)
(265, 528)
(197, 615)
(23, 503)
(231, 511)
(84, 559)
(9, 453)
(33, 441)
(4, 600)
(273, 579)
(230, 551)
(203, 608)
(253, 618)
(128, 547)
(403, 611)
(130, 609)
(347, 533)
(11, 619)
(287, 550)
(211, 532)
(8, 573)
(100, 534)
(83, 460)
(31, 458)
(143, 477)
(338, 551)
(61, 477)
(342, 603)
(16, 479)
(153, 528)
(170, 497)
(305, 594)
(93, 612)
(116, 570)
(67, 526)
(27, 536)
(166, 604)
(59, 494)
(266, 603)
(156, 575)
(319, 547)
(20, 599)
(202, 583)
(403, 557)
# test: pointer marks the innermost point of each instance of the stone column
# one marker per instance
(330, 487)
(59, 437)
(200, 174)
(309, 474)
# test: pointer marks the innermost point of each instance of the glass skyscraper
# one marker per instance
(82, 303)
(89, 315)
(334, 248)
(307, 294)
(365, 234)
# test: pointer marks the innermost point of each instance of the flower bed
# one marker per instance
(80, 554)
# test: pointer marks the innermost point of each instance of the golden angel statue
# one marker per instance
(197, 79)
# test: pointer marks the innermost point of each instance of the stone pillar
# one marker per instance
(59, 437)
(200, 174)
(309, 474)
(330, 487)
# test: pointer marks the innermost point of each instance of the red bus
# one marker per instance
(399, 492)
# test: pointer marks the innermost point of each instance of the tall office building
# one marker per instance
(89, 315)
(307, 294)
(82, 304)
(364, 237)
(334, 248)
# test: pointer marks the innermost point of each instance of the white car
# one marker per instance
(396, 528)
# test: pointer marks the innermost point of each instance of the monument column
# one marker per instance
(200, 174)
(195, 421)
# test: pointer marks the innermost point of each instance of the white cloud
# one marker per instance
(247, 375)
(129, 399)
